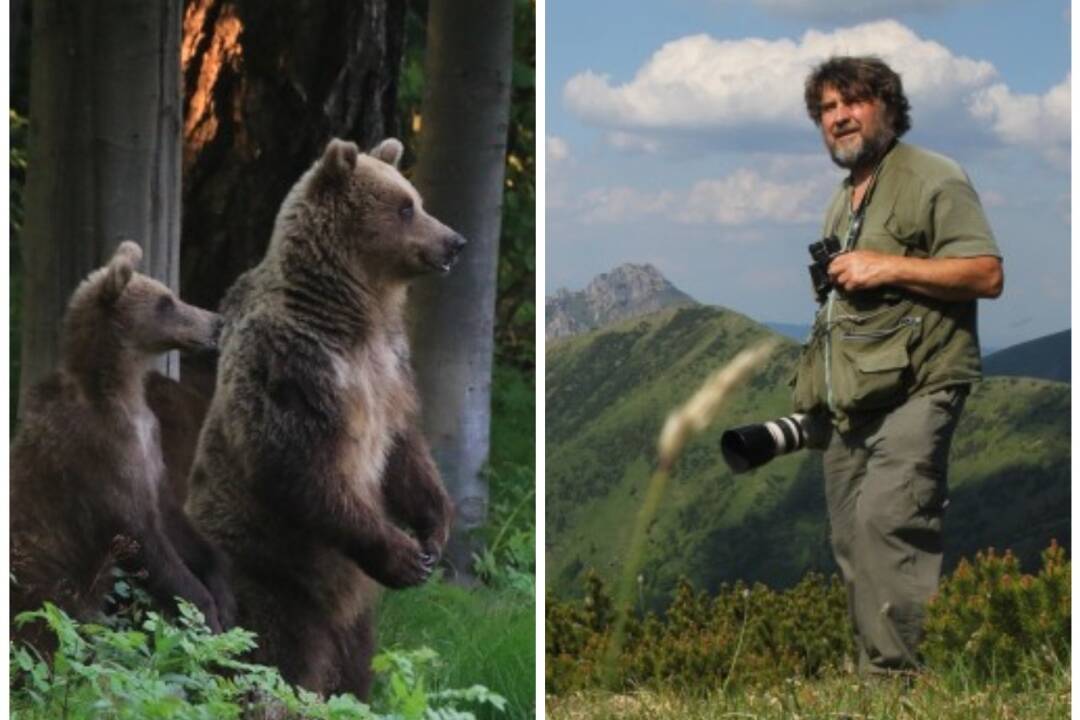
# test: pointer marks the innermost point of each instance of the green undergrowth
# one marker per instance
(143, 666)
(508, 557)
(482, 635)
(447, 652)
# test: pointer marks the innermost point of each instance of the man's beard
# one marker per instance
(865, 153)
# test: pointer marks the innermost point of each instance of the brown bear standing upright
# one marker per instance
(310, 462)
(87, 477)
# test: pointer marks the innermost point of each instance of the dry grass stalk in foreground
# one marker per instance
(697, 412)
(688, 420)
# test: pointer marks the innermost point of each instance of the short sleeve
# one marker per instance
(960, 227)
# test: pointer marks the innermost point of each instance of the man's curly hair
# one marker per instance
(859, 78)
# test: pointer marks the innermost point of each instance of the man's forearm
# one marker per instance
(951, 278)
(940, 278)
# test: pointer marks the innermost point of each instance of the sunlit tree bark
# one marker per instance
(267, 84)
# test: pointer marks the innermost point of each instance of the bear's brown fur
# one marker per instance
(87, 474)
(180, 410)
(310, 463)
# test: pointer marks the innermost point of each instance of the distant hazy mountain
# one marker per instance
(792, 331)
(625, 292)
(609, 391)
(1048, 357)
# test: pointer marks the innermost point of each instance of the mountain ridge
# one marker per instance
(609, 390)
(1048, 357)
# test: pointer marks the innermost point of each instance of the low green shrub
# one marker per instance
(988, 621)
(997, 623)
(742, 635)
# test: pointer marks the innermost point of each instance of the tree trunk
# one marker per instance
(104, 154)
(266, 86)
(460, 175)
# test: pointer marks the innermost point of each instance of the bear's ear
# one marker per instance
(120, 270)
(389, 151)
(339, 158)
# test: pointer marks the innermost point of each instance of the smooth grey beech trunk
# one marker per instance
(104, 155)
(460, 173)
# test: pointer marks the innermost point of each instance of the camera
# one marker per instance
(822, 252)
(750, 446)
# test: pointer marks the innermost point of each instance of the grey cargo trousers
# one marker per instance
(886, 490)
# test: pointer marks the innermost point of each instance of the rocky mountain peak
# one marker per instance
(627, 291)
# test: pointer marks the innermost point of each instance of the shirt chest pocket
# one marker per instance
(906, 234)
(893, 236)
(893, 229)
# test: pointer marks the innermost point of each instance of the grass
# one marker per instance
(485, 635)
(941, 697)
(482, 635)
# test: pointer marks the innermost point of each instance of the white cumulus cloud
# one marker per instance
(1042, 122)
(701, 83)
(702, 93)
(742, 198)
(622, 204)
(745, 197)
(633, 143)
(557, 149)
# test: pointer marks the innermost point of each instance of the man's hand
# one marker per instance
(940, 278)
(862, 270)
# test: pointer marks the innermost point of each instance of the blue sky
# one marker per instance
(676, 135)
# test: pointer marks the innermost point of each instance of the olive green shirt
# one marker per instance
(888, 344)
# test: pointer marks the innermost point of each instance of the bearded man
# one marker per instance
(894, 349)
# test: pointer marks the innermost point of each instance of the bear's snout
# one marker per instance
(452, 246)
(215, 333)
(204, 332)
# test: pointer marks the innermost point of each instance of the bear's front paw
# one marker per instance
(209, 609)
(213, 622)
(434, 549)
(225, 603)
(405, 565)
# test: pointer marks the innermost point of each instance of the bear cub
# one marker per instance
(87, 476)
(311, 473)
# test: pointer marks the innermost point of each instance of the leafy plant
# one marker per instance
(508, 557)
(162, 669)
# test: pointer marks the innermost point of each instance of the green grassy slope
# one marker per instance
(608, 393)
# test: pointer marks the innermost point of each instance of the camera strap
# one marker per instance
(855, 226)
(857, 217)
